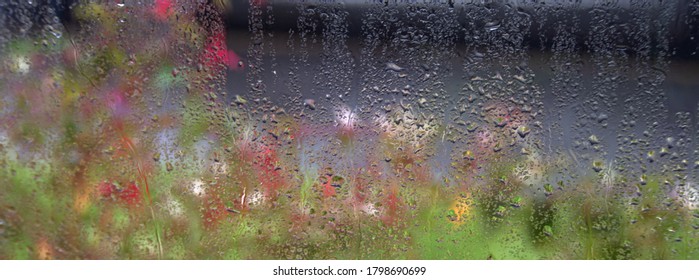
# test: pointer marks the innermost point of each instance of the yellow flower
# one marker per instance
(461, 208)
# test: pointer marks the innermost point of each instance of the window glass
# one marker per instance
(356, 129)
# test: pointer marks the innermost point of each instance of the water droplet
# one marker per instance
(393, 67)
(468, 155)
(548, 231)
(240, 100)
(492, 26)
(497, 147)
(523, 131)
(548, 189)
(422, 101)
(664, 151)
(310, 103)
(670, 142)
(597, 165)
(500, 122)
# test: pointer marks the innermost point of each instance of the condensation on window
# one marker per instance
(367, 129)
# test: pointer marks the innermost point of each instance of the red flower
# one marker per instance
(106, 189)
(217, 53)
(328, 189)
(270, 176)
(358, 191)
(391, 206)
(162, 9)
(214, 211)
(131, 195)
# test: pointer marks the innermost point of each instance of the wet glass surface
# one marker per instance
(181, 129)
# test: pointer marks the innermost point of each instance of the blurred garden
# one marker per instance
(139, 132)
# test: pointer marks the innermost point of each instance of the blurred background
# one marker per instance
(215, 129)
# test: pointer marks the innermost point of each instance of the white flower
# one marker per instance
(197, 188)
(255, 199)
(173, 207)
(219, 168)
(369, 209)
(22, 64)
(689, 195)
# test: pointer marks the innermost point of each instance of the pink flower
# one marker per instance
(117, 103)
